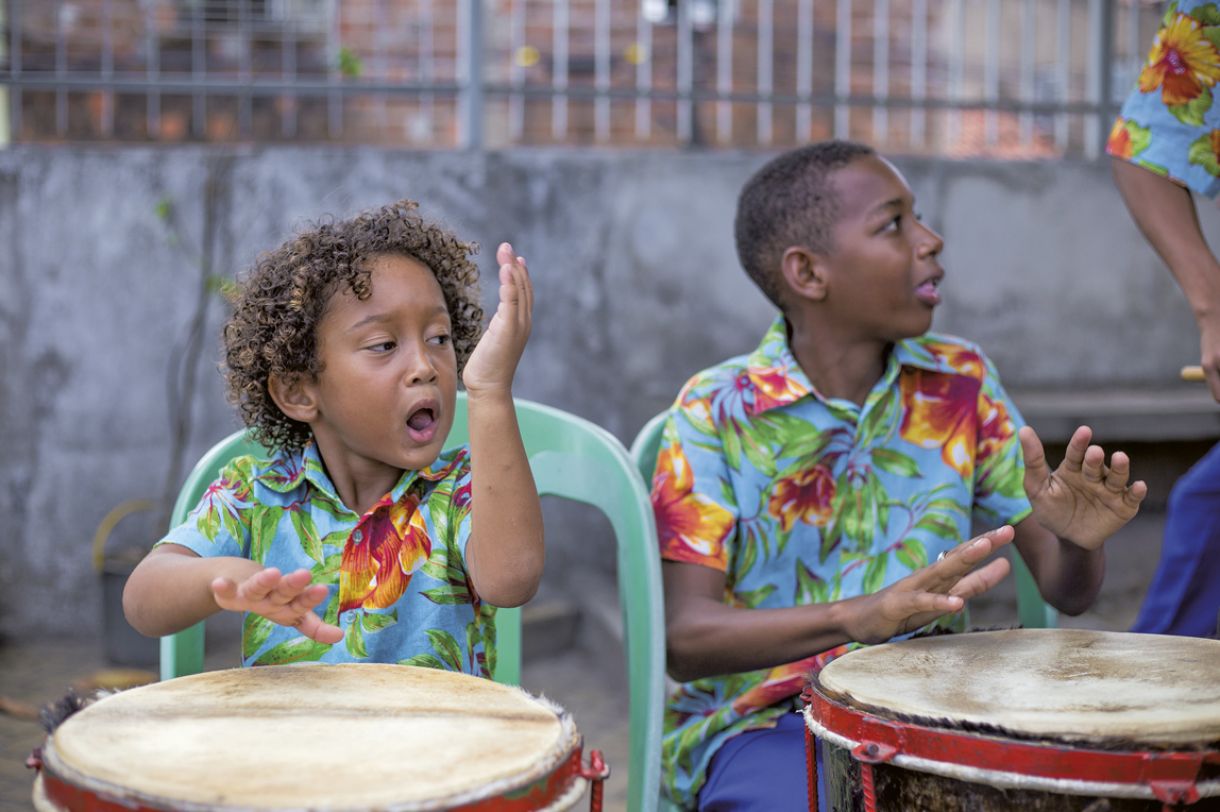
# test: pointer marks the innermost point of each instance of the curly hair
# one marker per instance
(790, 201)
(280, 301)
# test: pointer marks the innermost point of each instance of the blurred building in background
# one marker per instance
(977, 78)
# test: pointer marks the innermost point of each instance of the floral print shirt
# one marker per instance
(397, 575)
(800, 499)
(1170, 124)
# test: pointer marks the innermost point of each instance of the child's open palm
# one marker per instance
(494, 361)
(1083, 500)
(284, 599)
(941, 588)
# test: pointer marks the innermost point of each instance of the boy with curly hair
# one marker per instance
(810, 496)
(343, 355)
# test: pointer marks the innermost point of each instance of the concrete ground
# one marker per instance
(578, 666)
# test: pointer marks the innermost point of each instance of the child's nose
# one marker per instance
(931, 243)
(419, 368)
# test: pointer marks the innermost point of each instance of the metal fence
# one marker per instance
(1003, 78)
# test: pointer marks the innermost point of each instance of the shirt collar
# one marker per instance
(290, 471)
(778, 380)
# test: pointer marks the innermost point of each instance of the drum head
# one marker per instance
(1043, 683)
(317, 737)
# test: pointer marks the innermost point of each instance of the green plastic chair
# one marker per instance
(1032, 611)
(571, 458)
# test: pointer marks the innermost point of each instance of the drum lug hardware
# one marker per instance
(873, 752)
(596, 773)
(1174, 792)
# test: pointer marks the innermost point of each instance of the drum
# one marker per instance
(329, 737)
(1036, 719)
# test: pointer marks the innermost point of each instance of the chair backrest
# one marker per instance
(574, 459)
(1032, 611)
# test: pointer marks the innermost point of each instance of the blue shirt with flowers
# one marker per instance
(801, 499)
(396, 574)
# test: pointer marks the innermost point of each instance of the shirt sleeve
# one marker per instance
(1167, 122)
(219, 525)
(999, 484)
(692, 494)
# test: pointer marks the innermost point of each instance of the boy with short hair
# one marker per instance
(342, 355)
(810, 495)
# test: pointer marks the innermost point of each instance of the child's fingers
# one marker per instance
(290, 586)
(308, 598)
(504, 254)
(527, 290)
(259, 585)
(982, 579)
(312, 627)
(1036, 469)
(224, 590)
(1136, 493)
(1118, 473)
(1093, 467)
(1073, 457)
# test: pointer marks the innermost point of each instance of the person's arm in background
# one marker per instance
(1165, 213)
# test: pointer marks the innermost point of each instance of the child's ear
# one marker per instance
(295, 397)
(805, 273)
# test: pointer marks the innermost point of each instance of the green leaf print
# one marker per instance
(209, 522)
(1153, 167)
(939, 525)
(233, 525)
(1202, 154)
(424, 661)
(332, 507)
(810, 588)
(447, 647)
(912, 554)
(297, 650)
(754, 598)
(354, 640)
(880, 421)
(831, 536)
(759, 456)
(264, 520)
(254, 633)
(336, 539)
(895, 462)
(1207, 14)
(327, 571)
(307, 534)
(806, 444)
(874, 573)
(732, 447)
(376, 621)
(1192, 113)
(748, 549)
(448, 596)
(1171, 13)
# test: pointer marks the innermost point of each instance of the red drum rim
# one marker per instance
(560, 789)
(1170, 776)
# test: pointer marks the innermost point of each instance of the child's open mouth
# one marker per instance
(421, 424)
(929, 292)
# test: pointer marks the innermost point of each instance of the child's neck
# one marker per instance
(360, 483)
(837, 367)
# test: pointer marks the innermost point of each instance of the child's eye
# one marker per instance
(381, 346)
(892, 225)
(440, 340)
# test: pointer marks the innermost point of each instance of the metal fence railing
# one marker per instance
(1010, 78)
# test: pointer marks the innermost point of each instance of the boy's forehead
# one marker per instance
(868, 183)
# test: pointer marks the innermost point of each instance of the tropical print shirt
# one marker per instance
(397, 576)
(800, 499)
(1170, 124)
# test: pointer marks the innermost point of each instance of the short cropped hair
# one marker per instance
(790, 201)
(280, 301)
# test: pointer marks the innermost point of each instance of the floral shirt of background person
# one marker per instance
(1175, 96)
(396, 575)
(802, 500)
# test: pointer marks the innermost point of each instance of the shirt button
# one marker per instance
(358, 536)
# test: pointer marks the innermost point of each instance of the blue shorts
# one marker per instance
(762, 770)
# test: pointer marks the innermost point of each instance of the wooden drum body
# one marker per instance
(332, 737)
(1044, 720)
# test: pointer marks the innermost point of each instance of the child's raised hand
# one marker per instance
(937, 589)
(284, 599)
(1084, 500)
(494, 361)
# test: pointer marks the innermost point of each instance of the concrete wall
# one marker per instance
(637, 288)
